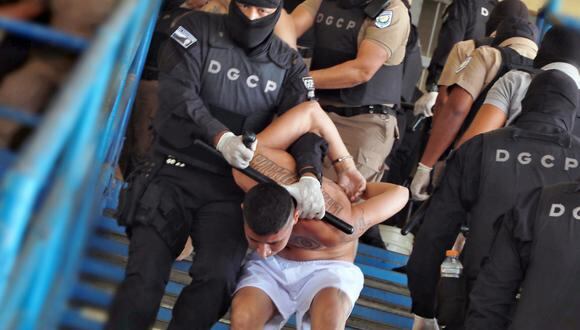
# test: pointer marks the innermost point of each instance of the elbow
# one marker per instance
(456, 111)
(363, 75)
(403, 196)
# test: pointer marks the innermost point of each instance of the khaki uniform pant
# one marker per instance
(369, 139)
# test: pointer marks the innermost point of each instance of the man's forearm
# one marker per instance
(344, 75)
(446, 125)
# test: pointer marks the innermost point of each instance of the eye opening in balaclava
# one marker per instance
(560, 44)
(254, 36)
(503, 10)
(552, 98)
(512, 27)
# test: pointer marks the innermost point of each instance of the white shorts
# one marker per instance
(292, 285)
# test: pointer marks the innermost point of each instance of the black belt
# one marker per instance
(365, 109)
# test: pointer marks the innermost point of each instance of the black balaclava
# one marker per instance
(503, 10)
(560, 44)
(254, 36)
(552, 99)
(515, 27)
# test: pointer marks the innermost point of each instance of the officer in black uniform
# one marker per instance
(462, 20)
(537, 248)
(483, 179)
(219, 75)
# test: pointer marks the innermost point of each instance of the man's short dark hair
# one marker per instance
(267, 208)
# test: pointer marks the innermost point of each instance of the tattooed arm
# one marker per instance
(382, 200)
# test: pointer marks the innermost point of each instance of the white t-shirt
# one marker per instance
(508, 92)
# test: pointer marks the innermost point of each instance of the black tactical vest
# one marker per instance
(550, 296)
(336, 30)
(510, 59)
(514, 161)
(241, 92)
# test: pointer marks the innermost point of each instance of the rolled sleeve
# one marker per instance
(392, 38)
(479, 70)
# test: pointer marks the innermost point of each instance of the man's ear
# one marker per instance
(242, 206)
(295, 216)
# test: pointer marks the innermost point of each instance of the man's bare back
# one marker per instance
(311, 239)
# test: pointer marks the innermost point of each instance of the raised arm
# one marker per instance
(304, 15)
(382, 201)
(303, 118)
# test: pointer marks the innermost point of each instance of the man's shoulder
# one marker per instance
(200, 22)
(517, 78)
(282, 54)
(196, 28)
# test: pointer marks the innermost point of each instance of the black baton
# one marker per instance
(416, 218)
(248, 139)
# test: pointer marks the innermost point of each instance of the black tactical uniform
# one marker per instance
(484, 177)
(537, 248)
(208, 84)
(463, 20)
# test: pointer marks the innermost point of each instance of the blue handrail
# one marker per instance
(80, 129)
(44, 34)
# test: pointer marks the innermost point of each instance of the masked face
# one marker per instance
(254, 31)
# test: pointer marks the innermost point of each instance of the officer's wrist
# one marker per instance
(432, 88)
(218, 137)
(309, 171)
(344, 165)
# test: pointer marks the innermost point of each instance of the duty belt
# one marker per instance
(365, 109)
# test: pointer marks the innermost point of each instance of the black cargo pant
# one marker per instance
(191, 202)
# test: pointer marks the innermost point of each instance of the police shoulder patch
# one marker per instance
(464, 64)
(309, 84)
(183, 37)
(384, 19)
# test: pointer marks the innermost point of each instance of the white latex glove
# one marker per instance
(308, 194)
(420, 183)
(234, 151)
(420, 323)
(424, 105)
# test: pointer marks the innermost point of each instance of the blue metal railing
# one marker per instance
(58, 181)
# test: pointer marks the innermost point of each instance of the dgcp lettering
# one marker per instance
(558, 210)
(233, 74)
(526, 158)
(340, 23)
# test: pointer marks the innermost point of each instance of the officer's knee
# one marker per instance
(218, 274)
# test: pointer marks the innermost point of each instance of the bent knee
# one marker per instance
(244, 318)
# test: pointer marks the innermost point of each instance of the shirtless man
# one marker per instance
(303, 266)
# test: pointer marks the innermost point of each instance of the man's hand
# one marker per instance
(234, 150)
(420, 323)
(308, 194)
(424, 105)
(352, 182)
(421, 182)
